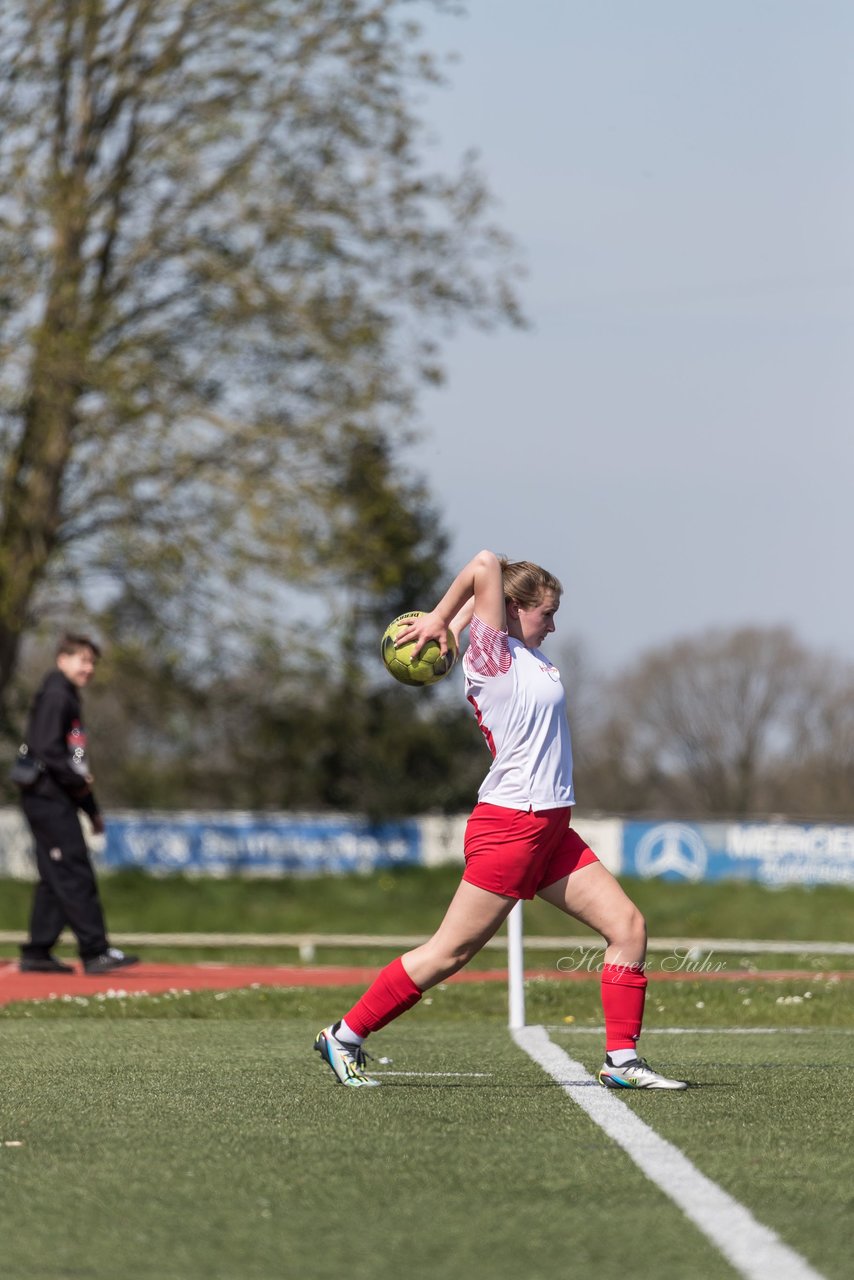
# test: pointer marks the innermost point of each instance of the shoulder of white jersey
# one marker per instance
(489, 652)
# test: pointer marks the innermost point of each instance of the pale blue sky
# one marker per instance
(674, 436)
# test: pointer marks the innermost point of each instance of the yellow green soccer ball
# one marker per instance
(430, 665)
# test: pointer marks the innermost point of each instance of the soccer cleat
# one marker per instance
(108, 961)
(347, 1061)
(637, 1074)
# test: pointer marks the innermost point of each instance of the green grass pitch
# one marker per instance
(194, 1138)
(197, 1137)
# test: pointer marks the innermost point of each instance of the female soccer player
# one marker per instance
(518, 839)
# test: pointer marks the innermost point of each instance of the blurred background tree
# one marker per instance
(709, 716)
(729, 724)
(726, 724)
(223, 267)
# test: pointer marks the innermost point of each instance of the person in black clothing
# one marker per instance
(67, 892)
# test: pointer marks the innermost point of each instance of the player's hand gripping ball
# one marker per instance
(430, 665)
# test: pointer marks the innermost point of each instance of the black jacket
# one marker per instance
(55, 735)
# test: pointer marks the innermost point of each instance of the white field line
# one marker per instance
(755, 1251)
(712, 1031)
(405, 941)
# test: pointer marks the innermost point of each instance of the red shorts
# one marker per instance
(516, 852)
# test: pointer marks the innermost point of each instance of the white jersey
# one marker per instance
(520, 706)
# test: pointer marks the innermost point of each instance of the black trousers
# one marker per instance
(67, 892)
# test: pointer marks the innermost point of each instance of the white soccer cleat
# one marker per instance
(346, 1061)
(637, 1074)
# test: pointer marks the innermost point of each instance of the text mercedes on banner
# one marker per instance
(773, 853)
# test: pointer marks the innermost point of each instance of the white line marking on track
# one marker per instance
(755, 1251)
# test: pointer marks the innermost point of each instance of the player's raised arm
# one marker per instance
(460, 621)
(480, 584)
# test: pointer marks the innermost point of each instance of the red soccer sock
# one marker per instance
(390, 994)
(623, 994)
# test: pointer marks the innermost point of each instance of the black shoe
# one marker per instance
(109, 960)
(44, 964)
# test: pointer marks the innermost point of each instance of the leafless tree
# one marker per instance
(701, 724)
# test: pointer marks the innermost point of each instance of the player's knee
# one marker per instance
(636, 926)
(628, 927)
(451, 959)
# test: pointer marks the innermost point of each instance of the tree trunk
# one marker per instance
(32, 486)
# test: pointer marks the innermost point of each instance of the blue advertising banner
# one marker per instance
(226, 844)
(773, 853)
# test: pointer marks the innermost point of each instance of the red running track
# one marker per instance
(150, 979)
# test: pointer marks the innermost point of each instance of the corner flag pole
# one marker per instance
(516, 968)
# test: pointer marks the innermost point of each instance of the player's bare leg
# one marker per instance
(473, 917)
(593, 896)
